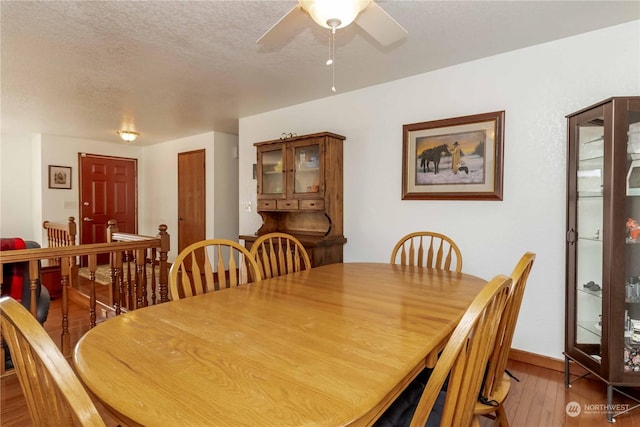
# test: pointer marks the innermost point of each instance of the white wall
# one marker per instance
(26, 197)
(226, 200)
(160, 186)
(18, 153)
(60, 204)
(160, 183)
(26, 200)
(537, 87)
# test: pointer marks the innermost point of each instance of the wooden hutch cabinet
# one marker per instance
(300, 193)
(602, 331)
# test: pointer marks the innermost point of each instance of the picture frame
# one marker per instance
(60, 177)
(429, 150)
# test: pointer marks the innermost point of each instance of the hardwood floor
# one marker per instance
(13, 407)
(539, 399)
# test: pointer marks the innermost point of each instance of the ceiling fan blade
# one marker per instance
(282, 30)
(380, 25)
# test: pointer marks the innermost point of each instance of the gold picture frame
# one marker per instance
(454, 159)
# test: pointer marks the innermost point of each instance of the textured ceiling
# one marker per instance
(171, 69)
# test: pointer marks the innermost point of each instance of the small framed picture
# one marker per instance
(60, 177)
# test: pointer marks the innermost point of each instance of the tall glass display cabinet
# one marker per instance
(602, 330)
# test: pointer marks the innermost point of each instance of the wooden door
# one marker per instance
(191, 198)
(108, 190)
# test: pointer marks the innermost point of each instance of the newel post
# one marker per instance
(112, 227)
(164, 269)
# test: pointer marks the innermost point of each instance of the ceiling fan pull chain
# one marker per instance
(333, 59)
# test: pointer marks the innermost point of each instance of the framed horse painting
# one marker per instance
(454, 159)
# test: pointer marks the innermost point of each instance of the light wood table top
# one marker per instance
(330, 346)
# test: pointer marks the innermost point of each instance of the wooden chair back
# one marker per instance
(54, 394)
(500, 352)
(427, 249)
(464, 358)
(278, 254)
(194, 273)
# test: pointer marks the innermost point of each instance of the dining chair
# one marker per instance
(54, 394)
(461, 365)
(193, 273)
(279, 253)
(497, 381)
(427, 249)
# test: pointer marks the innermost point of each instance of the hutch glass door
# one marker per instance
(306, 169)
(272, 172)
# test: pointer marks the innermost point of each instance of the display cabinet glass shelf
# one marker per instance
(602, 330)
(299, 191)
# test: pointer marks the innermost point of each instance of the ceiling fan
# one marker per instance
(334, 15)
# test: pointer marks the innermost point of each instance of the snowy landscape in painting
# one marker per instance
(473, 162)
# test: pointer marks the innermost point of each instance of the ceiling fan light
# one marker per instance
(128, 135)
(323, 11)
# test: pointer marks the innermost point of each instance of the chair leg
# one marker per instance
(501, 416)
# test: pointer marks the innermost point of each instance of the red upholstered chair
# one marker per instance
(16, 282)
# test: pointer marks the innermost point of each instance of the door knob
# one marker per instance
(87, 219)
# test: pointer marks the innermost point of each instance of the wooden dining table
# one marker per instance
(330, 346)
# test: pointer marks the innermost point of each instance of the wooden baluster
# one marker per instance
(129, 289)
(131, 280)
(71, 241)
(154, 254)
(141, 279)
(34, 276)
(112, 227)
(116, 281)
(145, 281)
(64, 281)
(92, 290)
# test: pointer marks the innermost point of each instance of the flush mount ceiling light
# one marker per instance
(128, 135)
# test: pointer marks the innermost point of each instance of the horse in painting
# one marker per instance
(433, 155)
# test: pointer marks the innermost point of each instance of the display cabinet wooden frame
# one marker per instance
(602, 327)
(300, 192)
